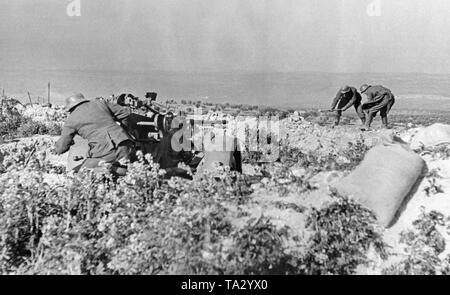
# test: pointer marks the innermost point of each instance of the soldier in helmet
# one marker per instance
(97, 122)
(379, 99)
(345, 98)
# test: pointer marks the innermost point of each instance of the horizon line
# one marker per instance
(219, 72)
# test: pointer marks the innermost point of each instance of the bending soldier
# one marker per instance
(345, 98)
(96, 121)
(379, 99)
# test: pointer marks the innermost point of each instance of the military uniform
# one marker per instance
(379, 99)
(96, 121)
(345, 100)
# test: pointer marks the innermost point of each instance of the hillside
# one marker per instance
(282, 217)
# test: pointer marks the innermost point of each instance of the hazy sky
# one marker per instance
(227, 35)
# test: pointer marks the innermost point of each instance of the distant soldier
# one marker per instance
(345, 98)
(96, 121)
(379, 99)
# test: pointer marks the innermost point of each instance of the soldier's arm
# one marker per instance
(384, 102)
(380, 95)
(120, 113)
(65, 141)
(335, 100)
(351, 102)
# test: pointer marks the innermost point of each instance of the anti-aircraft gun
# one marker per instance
(158, 131)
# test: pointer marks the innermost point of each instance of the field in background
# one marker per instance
(299, 90)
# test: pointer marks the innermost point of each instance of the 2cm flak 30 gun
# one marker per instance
(155, 129)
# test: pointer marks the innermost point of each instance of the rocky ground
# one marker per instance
(293, 190)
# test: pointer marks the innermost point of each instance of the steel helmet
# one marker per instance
(363, 88)
(345, 89)
(73, 101)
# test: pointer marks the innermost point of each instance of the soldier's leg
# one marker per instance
(93, 163)
(342, 103)
(360, 113)
(385, 111)
(382, 105)
(391, 103)
(337, 118)
(384, 119)
(90, 163)
(126, 151)
(378, 108)
(123, 151)
(369, 118)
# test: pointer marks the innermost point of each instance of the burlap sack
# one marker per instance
(384, 179)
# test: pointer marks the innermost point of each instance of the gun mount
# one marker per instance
(153, 125)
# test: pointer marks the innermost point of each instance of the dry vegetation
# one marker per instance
(275, 218)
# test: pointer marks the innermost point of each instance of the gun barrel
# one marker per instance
(208, 122)
(159, 105)
(214, 122)
(146, 123)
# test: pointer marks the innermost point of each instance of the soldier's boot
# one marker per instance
(119, 170)
(363, 120)
(369, 119)
(338, 118)
(384, 120)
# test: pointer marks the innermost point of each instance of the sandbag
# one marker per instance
(227, 154)
(383, 180)
(225, 158)
(430, 136)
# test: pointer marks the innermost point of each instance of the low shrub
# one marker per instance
(9, 125)
(424, 243)
(348, 159)
(19, 126)
(29, 128)
(343, 232)
(141, 223)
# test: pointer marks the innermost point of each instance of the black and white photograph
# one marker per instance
(223, 138)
